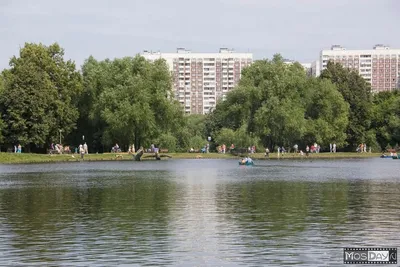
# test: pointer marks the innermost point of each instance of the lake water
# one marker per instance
(196, 212)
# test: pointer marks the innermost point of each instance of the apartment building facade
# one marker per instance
(201, 79)
(379, 66)
(307, 66)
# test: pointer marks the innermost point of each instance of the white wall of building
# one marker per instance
(379, 66)
(201, 79)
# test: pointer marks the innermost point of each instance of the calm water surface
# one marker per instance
(196, 212)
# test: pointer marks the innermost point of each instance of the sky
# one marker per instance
(297, 29)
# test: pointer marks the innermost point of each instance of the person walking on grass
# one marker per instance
(267, 152)
(82, 151)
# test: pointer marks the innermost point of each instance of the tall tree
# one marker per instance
(2, 126)
(386, 118)
(281, 105)
(131, 100)
(97, 76)
(40, 95)
(326, 114)
(357, 93)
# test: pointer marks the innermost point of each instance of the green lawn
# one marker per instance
(37, 158)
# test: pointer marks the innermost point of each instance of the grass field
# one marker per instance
(13, 158)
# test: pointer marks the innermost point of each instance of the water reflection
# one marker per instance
(199, 212)
(100, 220)
(283, 222)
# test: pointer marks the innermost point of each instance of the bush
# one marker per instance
(167, 141)
(197, 142)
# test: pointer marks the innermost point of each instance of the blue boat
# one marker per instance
(246, 163)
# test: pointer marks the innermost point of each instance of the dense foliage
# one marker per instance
(40, 96)
(356, 91)
(127, 101)
(130, 101)
(386, 119)
(277, 104)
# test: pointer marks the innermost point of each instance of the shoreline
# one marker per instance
(15, 158)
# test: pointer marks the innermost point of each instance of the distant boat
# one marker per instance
(251, 163)
(386, 157)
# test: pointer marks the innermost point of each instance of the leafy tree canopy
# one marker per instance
(357, 93)
(40, 95)
(281, 105)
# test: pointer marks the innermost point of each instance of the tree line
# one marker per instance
(43, 97)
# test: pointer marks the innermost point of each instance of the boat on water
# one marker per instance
(395, 157)
(246, 162)
(386, 157)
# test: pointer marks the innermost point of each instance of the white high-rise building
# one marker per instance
(315, 68)
(201, 79)
(307, 66)
(379, 66)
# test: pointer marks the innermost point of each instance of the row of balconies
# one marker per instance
(380, 57)
(182, 64)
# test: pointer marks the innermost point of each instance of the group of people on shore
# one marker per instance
(315, 148)
(362, 148)
(17, 149)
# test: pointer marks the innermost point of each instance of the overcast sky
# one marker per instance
(298, 29)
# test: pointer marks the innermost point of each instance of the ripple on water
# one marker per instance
(196, 212)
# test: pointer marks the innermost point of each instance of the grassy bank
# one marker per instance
(11, 158)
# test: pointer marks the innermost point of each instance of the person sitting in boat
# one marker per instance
(243, 161)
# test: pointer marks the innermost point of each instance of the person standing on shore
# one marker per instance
(330, 147)
(81, 151)
(267, 152)
(85, 148)
(334, 148)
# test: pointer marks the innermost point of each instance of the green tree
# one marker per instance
(40, 95)
(190, 133)
(326, 114)
(167, 141)
(281, 105)
(197, 142)
(386, 118)
(226, 136)
(96, 77)
(240, 137)
(357, 93)
(2, 126)
(133, 102)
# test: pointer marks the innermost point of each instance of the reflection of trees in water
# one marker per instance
(374, 204)
(265, 210)
(104, 214)
(282, 208)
